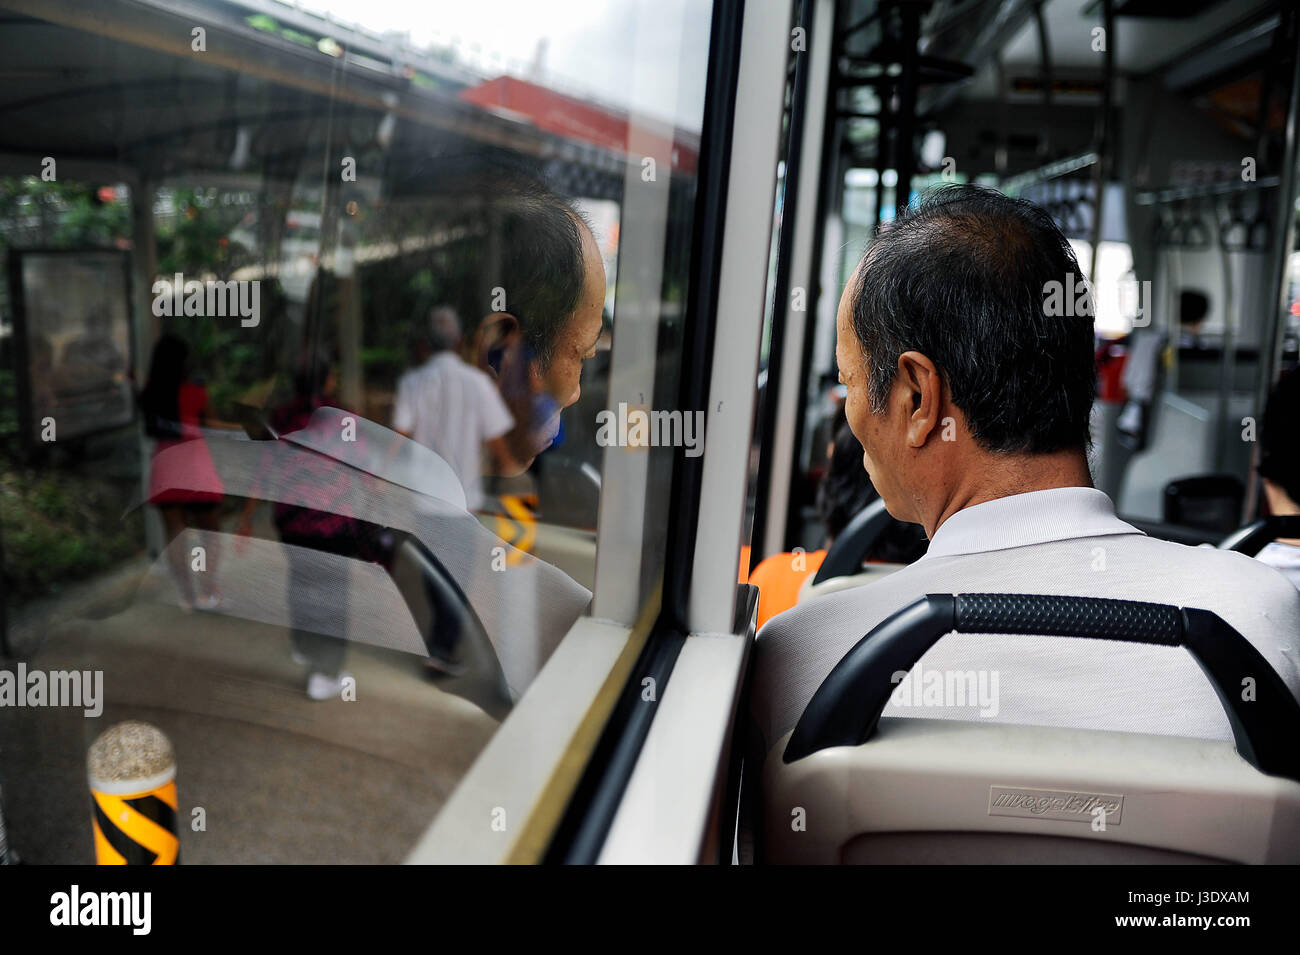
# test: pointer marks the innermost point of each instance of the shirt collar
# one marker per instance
(1036, 517)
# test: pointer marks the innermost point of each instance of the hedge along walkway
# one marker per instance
(61, 526)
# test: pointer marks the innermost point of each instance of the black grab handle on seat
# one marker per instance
(846, 556)
(453, 634)
(847, 706)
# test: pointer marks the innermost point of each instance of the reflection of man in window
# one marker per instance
(524, 267)
(553, 280)
(453, 408)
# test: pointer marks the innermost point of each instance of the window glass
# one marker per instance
(789, 302)
(313, 325)
(1115, 300)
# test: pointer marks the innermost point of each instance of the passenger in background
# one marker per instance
(1193, 307)
(973, 406)
(1279, 466)
(844, 491)
(454, 409)
(328, 529)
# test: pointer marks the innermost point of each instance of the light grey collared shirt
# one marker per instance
(1062, 541)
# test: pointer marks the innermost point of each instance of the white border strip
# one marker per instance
(643, 230)
(742, 290)
(667, 809)
(790, 397)
(486, 814)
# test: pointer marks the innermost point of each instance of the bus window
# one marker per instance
(323, 329)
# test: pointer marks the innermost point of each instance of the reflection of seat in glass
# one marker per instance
(453, 634)
(523, 604)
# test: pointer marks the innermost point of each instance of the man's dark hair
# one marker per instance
(160, 397)
(542, 268)
(1279, 449)
(963, 279)
(1193, 306)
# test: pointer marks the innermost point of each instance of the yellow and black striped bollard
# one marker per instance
(132, 772)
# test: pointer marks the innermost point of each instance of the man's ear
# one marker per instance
(492, 333)
(923, 391)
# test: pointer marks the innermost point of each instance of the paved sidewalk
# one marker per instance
(281, 778)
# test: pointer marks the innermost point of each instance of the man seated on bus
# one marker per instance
(970, 382)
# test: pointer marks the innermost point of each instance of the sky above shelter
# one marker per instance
(647, 56)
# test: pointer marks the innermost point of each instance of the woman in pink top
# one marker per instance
(185, 488)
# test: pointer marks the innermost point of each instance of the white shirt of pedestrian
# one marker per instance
(452, 408)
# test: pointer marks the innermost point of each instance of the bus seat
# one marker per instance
(843, 567)
(846, 786)
(855, 541)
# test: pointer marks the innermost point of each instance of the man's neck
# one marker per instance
(991, 476)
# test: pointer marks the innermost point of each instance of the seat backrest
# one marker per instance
(847, 786)
(944, 791)
(872, 533)
(855, 541)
